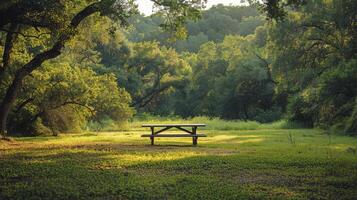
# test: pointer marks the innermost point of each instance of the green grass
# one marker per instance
(229, 164)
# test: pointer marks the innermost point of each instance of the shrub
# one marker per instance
(37, 128)
(351, 124)
(300, 110)
(270, 115)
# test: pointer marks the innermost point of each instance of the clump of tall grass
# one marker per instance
(211, 123)
(220, 124)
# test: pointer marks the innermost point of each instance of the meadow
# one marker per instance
(238, 160)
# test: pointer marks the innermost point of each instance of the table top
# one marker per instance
(173, 125)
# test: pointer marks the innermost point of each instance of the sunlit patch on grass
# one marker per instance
(219, 138)
(229, 139)
(121, 160)
(343, 148)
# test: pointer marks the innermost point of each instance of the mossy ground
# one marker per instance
(230, 164)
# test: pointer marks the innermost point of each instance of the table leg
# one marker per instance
(152, 140)
(152, 136)
(194, 139)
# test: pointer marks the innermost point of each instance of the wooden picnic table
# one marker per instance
(183, 127)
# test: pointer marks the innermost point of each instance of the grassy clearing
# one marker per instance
(233, 164)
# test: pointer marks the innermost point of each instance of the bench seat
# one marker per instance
(174, 135)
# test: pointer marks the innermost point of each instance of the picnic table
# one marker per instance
(183, 127)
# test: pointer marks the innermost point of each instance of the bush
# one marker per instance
(300, 111)
(270, 115)
(38, 128)
(351, 124)
(65, 119)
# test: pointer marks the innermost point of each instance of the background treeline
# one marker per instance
(244, 67)
(233, 64)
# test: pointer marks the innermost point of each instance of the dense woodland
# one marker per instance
(252, 62)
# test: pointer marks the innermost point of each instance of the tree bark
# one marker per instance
(13, 90)
(9, 43)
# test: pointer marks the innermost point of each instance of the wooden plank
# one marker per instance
(174, 135)
(173, 125)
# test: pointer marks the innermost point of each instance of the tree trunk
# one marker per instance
(18, 109)
(8, 101)
(245, 113)
(9, 43)
(13, 90)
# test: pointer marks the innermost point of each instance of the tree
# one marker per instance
(313, 50)
(151, 71)
(62, 23)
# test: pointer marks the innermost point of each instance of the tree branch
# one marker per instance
(266, 65)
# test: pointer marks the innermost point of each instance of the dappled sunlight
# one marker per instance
(137, 158)
(219, 138)
(229, 139)
(249, 136)
(250, 141)
(343, 147)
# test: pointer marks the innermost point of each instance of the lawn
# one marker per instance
(228, 164)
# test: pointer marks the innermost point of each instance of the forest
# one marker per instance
(273, 81)
(232, 63)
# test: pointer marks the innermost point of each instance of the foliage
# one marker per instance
(351, 124)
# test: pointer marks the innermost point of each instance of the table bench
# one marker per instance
(183, 127)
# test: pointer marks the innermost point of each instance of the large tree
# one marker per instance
(59, 20)
(313, 52)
